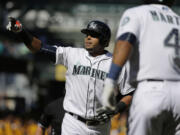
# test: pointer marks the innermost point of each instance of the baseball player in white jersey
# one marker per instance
(86, 71)
(149, 38)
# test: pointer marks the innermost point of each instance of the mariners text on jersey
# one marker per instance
(158, 16)
(87, 70)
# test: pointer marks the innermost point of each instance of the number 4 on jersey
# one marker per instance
(173, 40)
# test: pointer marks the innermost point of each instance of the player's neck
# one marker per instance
(94, 54)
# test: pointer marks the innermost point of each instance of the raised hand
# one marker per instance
(14, 25)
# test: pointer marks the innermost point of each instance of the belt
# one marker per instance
(87, 122)
(158, 80)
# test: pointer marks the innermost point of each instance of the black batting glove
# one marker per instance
(14, 25)
(104, 115)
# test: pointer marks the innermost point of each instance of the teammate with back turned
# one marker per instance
(149, 37)
(86, 71)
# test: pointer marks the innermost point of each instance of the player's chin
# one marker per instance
(88, 47)
(90, 50)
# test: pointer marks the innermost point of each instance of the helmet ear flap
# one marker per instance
(104, 41)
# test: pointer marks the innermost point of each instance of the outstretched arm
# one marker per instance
(32, 43)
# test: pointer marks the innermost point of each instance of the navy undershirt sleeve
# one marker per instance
(49, 51)
(128, 36)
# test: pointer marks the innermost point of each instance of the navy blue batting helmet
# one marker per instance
(101, 29)
(164, 2)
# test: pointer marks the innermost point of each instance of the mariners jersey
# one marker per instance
(157, 51)
(84, 80)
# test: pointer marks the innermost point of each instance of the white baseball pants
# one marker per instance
(155, 109)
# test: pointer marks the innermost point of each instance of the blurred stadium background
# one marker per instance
(29, 82)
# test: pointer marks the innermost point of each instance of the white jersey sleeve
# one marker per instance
(129, 23)
(62, 55)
